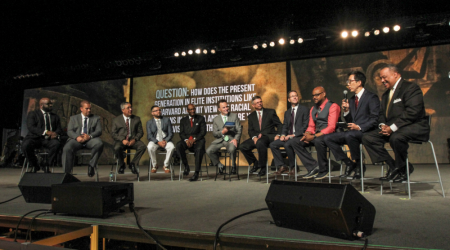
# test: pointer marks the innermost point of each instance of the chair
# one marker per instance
(180, 176)
(267, 169)
(84, 153)
(223, 151)
(40, 153)
(329, 161)
(113, 173)
(162, 151)
(283, 151)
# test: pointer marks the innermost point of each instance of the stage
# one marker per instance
(185, 214)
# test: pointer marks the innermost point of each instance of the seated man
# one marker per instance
(225, 136)
(84, 131)
(44, 129)
(127, 133)
(295, 123)
(159, 135)
(192, 134)
(361, 114)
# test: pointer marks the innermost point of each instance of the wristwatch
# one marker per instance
(315, 136)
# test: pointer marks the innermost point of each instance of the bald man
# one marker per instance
(44, 130)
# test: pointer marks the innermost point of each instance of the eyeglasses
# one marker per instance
(316, 95)
(191, 109)
(156, 110)
(349, 81)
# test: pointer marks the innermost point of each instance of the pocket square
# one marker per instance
(397, 100)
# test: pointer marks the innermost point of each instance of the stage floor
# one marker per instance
(196, 210)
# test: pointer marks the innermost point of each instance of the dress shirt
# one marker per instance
(333, 117)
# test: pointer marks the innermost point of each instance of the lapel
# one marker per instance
(296, 117)
(394, 96)
(80, 123)
(361, 101)
(264, 118)
(221, 123)
(40, 116)
(131, 124)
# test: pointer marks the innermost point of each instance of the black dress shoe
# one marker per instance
(402, 176)
(220, 167)
(255, 167)
(91, 171)
(357, 174)
(311, 173)
(233, 170)
(262, 172)
(133, 168)
(393, 174)
(187, 170)
(194, 177)
(348, 170)
(121, 169)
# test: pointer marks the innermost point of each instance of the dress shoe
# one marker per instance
(282, 169)
(194, 177)
(133, 168)
(255, 167)
(403, 177)
(321, 175)
(166, 170)
(34, 169)
(311, 173)
(220, 167)
(91, 171)
(121, 169)
(348, 170)
(262, 172)
(357, 174)
(393, 174)
(154, 169)
(233, 170)
(186, 170)
(293, 171)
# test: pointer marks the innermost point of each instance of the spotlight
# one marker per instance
(376, 32)
(272, 43)
(176, 54)
(281, 41)
(198, 51)
(205, 51)
(354, 33)
(264, 45)
(300, 40)
(386, 29)
(183, 53)
(397, 27)
(190, 52)
(213, 51)
(367, 33)
(291, 41)
(255, 46)
(344, 34)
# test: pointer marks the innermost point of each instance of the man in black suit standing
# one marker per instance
(295, 123)
(84, 131)
(361, 115)
(127, 133)
(263, 126)
(44, 129)
(192, 134)
(401, 119)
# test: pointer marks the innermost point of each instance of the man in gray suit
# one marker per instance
(127, 133)
(226, 136)
(159, 135)
(84, 131)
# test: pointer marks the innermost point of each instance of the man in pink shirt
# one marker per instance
(323, 117)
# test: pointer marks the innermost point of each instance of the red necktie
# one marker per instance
(192, 124)
(356, 102)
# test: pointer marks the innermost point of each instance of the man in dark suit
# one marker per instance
(295, 123)
(263, 126)
(127, 133)
(192, 134)
(401, 119)
(159, 135)
(44, 129)
(84, 131)
(361, 115)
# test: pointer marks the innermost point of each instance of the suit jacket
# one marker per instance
(76, 124)
(366, 116)
(119, 128)
(270, 124)
(198, 130)
(36, 124)
(406, 110)
(152, 129)
(301, 121)
(233, 133)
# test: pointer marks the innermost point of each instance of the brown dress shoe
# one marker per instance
(166, 170)
(154, 169)
(282, 169)
(293, 171)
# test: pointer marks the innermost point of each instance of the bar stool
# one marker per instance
(283, 151)
(114, 173)
(267, 169)
(223, 151)
(40, 153)
(162, 151)
(180, 176)
(82, 153)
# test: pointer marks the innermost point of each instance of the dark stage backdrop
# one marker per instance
(105, 98)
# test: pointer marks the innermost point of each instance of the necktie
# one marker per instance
(224, 121)
(128, 129)
(192, 124)
(391, 93)
(356, 102)
(159, 136)
(47, 122)
(259, 119)
(291, 124)
(85, 126)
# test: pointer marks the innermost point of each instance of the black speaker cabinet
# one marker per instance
(94, 199)
(329, 209)
(37, 187)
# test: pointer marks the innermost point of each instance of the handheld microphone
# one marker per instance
(345, 95)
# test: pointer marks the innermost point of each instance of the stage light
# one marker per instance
(198, 51)
(264, 45)
(190, 52)
(176, 54)
(183, 53)
(291, 41)
(255, 46)
(300, 40)
(367, 33)
(376, 32)
(397, 27)
(272, 43)
(386, 29)
(355, 33)
(205, 51)
(213, 50)
(281, 41)
(344, 34)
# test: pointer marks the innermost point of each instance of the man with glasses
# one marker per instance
(323, 117)
(192, 134)
(226, 136)
(361, 114)
(159, 135)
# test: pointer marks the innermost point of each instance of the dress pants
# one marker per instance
(214, 147)
(261, 146)
(30, 144)
(198, 149)
(288, 145)
(72, 146)
(352, 138)
(139, 146)
(152, 147)
(308, 161)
